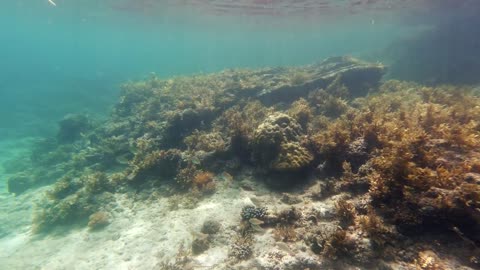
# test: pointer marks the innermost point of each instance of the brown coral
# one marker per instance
(428, 260)
(292, 157)
(204, 182)
(277, 145)
(158, 163)
(201, 179)
(208, 142)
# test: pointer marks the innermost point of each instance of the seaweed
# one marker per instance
(346, 212)
(68, 211)
(301, 111)
(417, 161)
(181, 261)
(336, 245)
(71, 201)
(406, 155)
(238, 123)
(285, 233)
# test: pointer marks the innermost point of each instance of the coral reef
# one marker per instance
(71, 127)
(241, 250)
(277, 144)
(414, 149)
(302, 113)
(73, 200)
(379, 170)
(208, 142)
(156, 163)
(203, 179)
(360, 77)
(249, 212)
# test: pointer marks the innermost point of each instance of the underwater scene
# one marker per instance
(240, 135)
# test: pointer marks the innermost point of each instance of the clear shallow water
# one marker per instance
(72, 57)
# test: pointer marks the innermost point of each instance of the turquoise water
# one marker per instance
(65, 57)
(72, 57)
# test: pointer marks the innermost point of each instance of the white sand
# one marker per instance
(141, 235)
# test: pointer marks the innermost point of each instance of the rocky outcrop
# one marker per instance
(358, 76)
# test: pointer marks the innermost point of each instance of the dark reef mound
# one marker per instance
(402, 160)
(288, 84)
(71, 127)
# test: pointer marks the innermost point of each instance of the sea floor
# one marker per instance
(146, 232)
(127, 199)
(143, 234)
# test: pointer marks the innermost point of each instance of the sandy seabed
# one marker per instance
(143, 234)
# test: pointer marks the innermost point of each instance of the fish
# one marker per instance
(255, 221)
(52, 3)
(198, 235)
(255, 224)
(284, 247)
(226, 178)
(195, 160)
(123, 159)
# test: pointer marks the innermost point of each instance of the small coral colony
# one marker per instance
(401, 161)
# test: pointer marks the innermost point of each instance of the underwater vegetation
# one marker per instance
(399, 159)
(420, 162)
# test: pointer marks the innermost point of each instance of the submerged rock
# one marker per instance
(200, 244)
(211, 227)
(71, 127)
(182, 123)
(19, 183)
(358, 76)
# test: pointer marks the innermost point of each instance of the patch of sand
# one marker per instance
(140, 236)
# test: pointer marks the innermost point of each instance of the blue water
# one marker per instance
(58, 60)
(72, 57)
